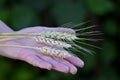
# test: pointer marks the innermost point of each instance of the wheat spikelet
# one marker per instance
(52, 42)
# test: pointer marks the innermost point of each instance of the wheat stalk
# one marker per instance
(45, 50)
(48, 34)
(39, 39)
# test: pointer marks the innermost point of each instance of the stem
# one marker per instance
(6, 39)
(18, 46)
(17, 34)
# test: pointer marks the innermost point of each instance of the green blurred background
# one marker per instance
(104, 65)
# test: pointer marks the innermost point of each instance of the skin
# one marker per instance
(36, 58)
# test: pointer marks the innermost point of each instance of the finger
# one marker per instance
(72, 68)
(76, 61)
(66, 30)
(41, 29)
(27, 55)
(34, 29)
(35, 61)
(56, 65)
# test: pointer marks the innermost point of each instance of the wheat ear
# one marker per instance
(58, 35)
(52, 42)
(39, 39)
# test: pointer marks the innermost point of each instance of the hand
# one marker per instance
(38, 59)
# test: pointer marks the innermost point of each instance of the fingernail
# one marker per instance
(73, 70)
(81, 64)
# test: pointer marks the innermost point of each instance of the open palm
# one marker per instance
(38, 59)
